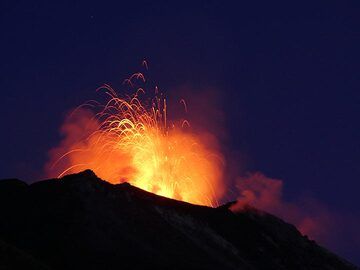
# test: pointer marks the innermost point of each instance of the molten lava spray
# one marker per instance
(130, 140)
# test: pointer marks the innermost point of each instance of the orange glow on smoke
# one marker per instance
(125, 140)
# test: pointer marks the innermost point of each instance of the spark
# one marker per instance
(131, 140)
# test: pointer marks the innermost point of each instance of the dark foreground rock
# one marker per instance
(82, 222)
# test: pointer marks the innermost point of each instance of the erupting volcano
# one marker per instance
(136, 138)
(93, 220)
(130, 139)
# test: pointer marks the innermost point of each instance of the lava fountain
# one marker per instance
(130, 140)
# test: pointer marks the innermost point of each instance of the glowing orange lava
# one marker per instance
(129, 141)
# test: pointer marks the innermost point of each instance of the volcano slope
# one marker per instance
(83, 222)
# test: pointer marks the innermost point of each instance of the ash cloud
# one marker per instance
(312, 217)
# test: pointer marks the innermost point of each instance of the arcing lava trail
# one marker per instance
(130, 139)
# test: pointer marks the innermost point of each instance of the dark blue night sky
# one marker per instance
(286, 79)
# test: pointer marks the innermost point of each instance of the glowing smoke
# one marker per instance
(130, 139)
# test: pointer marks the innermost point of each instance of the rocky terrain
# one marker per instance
(83, 222)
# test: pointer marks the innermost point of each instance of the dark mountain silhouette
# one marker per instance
(82, 222)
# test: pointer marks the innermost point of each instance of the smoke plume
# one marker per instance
(312, 217)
